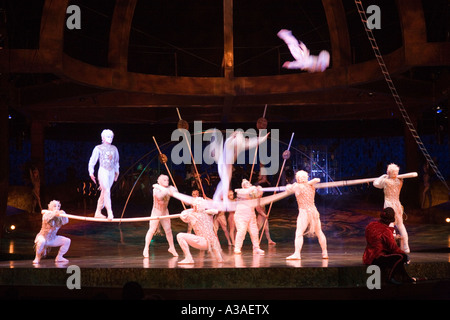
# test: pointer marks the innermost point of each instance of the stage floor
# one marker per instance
(110, 255)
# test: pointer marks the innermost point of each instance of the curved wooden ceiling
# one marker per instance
(114, 85)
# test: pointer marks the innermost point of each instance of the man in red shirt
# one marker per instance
(383, 251)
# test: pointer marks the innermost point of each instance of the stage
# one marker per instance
(110, 258)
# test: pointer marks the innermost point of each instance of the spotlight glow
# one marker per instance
(12, 227)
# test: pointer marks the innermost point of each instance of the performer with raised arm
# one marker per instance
(161, 197)
(47, 237)
(245, 217)
(308, 220)
(205, 238)
(392, 185)
(303, 60)
(108, 157)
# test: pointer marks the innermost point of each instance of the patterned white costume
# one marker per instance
(108, 157)
(161, 197)
(245, 217)
(47, 236)
(392, 186)
(303, 60)
(308, 220)
(205, 238)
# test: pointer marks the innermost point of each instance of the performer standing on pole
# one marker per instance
(108, 157)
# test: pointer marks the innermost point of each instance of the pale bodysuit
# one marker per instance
(308, 220)
(108, 157)
(392, 188)
(303, 59)
(205, 237)
(47, 236)
(161, 199)
(245, 219)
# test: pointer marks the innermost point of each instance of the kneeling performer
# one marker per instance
(204, 238)
(47, 237)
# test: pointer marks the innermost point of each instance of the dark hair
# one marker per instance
(387, 215)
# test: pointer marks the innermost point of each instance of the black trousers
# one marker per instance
(393, 265)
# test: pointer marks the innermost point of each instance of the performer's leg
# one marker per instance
(232, 227)
(168, 231)
(106, 181)
(40, 249)
(63, 243)
(322, 239)
(188, 239)
(302, 224)
(254, 235)
(404, 236)
(222, 222)
(241, 230)
(100, 205)
(153, 225)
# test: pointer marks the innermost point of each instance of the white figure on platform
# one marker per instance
(108, 157)
(47, 237)
(308, 220)
(392, 186)
(303, 60)
(205, 238)
(227, 155)
(245, 217)
(161, 197)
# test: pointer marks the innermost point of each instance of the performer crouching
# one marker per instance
(205, 237)
(245, 217)
(308, 215)
(161, 197)
(47, 237)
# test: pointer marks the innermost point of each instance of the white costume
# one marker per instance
(303, 60)
(308, 215)
(47, 237)
(228, 154)
(392, 186)
(161, 197)
(204, 238)
(245, 217)
(108, 157)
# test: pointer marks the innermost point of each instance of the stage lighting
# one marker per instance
(447, 220)
(12, 227)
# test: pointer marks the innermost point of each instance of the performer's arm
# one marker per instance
(116, 165)
(92, 161)
(313, 181)
(253, 142)
(379, 182)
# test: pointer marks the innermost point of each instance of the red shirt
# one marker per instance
(380, 241)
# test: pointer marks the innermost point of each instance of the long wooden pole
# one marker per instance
(167, 168)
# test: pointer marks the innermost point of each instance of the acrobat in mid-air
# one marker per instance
(303, 59)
